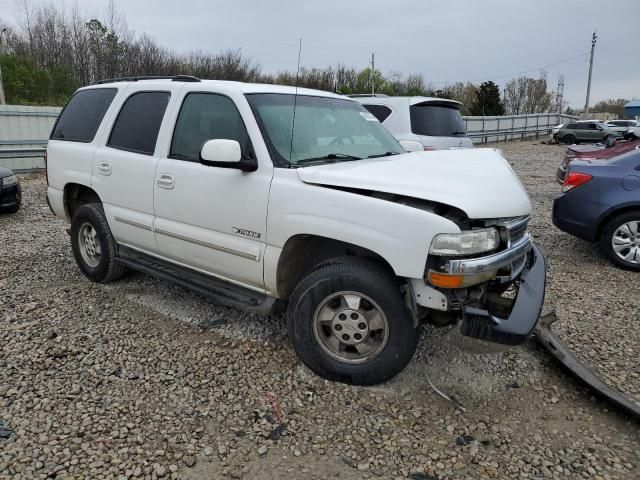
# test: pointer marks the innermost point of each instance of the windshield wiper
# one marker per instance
(331, 156)
(385, 154)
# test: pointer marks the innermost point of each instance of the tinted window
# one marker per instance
(206, 116)
(379, 111)
(437, 120)
(572, 126)
(136, 128)
(82, 115)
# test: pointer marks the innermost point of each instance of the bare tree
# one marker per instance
(528, 95)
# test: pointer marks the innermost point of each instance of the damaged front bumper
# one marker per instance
(517, 327)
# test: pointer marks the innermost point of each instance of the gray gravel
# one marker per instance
(598, 305)
(141, 379)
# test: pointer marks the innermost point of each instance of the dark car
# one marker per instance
(10, 191)
(601, 203)
(597, 151)
(584, 132)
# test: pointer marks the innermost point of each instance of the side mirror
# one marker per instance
(412, 145)
(225, 153)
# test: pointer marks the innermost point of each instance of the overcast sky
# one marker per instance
(447, 41)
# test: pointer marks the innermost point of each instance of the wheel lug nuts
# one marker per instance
(354, 316)
(345, 337)
(342, 316)
(338, 327)
(357, 336)
(362, 326)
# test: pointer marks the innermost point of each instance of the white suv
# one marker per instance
(420, 123)
(219, 187)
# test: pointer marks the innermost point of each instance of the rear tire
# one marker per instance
(620, 240)
(348, 322)
(93, 245)
(569, 140)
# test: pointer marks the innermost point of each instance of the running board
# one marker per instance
(222, 292)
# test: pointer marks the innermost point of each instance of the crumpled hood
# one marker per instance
(478, 181)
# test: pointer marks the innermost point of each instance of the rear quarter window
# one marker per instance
(381, 112)
(81, 117)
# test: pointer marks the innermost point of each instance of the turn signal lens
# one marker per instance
(443, 280)
(575, 179)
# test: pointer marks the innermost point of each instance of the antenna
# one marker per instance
(295, 102)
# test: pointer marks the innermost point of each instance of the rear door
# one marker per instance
(124, 166)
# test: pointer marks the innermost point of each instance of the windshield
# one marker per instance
(437, 119)
(327, 130)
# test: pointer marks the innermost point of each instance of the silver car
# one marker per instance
(420, 123)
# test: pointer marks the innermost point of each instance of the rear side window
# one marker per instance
(381, 112)
(437, 119)
(138, 123)
(81, 117)
(207, 116)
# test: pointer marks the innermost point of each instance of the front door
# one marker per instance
(210, 218)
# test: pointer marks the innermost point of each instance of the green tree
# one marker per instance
(612, 105)
(487, 101)
(24, 82)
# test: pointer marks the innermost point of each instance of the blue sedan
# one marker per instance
(600, 202)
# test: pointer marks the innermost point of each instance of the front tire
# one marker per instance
(620, 240)
(348, 322)
(569, 140)
(93, 245)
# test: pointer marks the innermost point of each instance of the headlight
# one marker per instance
(468, 242)
(10, 180)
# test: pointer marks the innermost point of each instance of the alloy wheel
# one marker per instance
(350, 327)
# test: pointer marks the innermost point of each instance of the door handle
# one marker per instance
(165, 181)
(104, 168)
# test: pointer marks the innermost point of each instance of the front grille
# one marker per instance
(518, 230)
(512, 230)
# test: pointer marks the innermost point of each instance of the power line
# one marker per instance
(245, 40)
(582, 55)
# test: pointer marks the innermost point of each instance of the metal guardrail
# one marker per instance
(13, 154)
(513, 127)
(23, 152)
(518, 133)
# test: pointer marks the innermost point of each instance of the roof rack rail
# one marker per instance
(173, 78)
(362, 95)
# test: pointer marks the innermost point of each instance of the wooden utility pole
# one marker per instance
(2, 99)
(373, 73)
(594, 38)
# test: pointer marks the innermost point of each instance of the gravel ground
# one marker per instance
(141, 379)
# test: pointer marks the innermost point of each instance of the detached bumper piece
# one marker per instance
(525, 312)
(570, 362)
